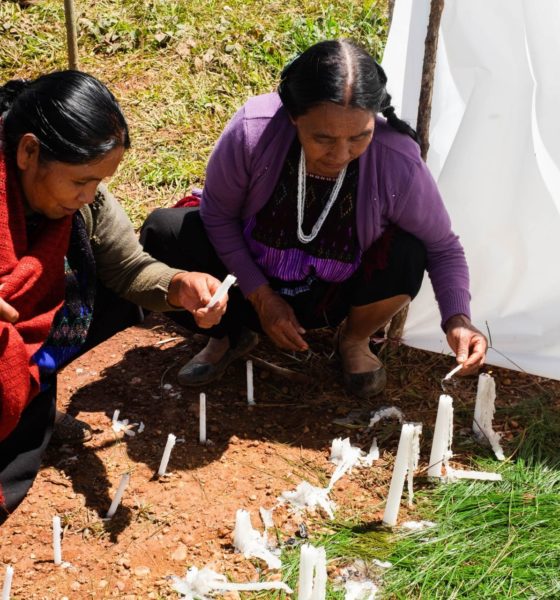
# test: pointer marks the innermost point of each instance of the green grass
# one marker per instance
(180, 69)
(492, 540)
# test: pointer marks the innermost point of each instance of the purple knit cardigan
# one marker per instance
(394, 186)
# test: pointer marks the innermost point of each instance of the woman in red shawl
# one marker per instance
(72, 271)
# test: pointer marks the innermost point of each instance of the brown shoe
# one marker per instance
(364, 374)
(68, 430)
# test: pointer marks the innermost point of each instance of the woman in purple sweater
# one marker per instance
(327, 215)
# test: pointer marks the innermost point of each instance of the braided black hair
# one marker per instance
(342, 72)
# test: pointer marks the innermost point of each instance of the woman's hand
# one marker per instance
(468, 343)
(193, 291)
(7, 312)
(278, 319)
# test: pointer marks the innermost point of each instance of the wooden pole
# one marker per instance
(390, 9)
(396, 326)
(71, 34)
(428, 70)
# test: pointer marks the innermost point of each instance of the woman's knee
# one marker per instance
(409, 258)
(168, 234)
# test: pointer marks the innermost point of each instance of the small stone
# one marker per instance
(103, 583)
(231, 595)
(142, 571)
(75, 586)
(252, 497)
(180, 553)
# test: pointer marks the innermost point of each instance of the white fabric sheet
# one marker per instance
(495, 153)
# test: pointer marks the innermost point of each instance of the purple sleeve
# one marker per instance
(420, 211)
(223, 202)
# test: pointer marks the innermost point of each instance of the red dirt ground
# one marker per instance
(166, 525)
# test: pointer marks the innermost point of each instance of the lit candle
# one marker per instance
(6, 588)
(222, 290)
(166, 454)
(443, 436)
(202, 419)
(250, 387)
(57, 534)
(118, 496)
(400, 469)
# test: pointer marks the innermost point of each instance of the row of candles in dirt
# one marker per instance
(406, 463)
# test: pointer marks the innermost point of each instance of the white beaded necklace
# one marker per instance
(302, 173)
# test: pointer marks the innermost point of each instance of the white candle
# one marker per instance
(118, 496)
(413, 460)
(484, 414)
(452, 372)
(6, 588)
(222, 290)
(250, 387)
(202, 419)
(320, 579)
(166, 454)
(57, 534)
(399, 474)
(312, 561)
(484, 407)
(443, 436)
(455, 474)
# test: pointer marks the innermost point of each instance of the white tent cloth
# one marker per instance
(495, 153)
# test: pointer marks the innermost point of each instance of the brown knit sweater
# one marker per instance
(121, 263)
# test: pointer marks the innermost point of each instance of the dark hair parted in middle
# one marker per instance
(341, 72)
(74, 117)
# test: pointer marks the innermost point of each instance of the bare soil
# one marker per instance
(165, 525)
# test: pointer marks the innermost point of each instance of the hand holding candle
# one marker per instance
(193, 292)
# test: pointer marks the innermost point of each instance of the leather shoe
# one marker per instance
(196, 372)
(367, 384)
(69, 430)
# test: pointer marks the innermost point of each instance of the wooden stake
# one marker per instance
(396, 327)
(71, 34)
(428, 70)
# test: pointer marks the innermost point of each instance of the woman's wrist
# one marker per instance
(260, 295)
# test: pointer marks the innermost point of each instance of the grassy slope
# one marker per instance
(180, 69)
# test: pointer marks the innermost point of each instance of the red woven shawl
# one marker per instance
(32, 281)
